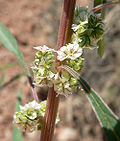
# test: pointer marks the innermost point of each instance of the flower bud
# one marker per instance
(88, 28)
(43, 66)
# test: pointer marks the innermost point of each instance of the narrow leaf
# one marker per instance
(100, 47)
(101, 6)
(98, 2)
(102, 11)
(108, 120)
(10, 43)
(17, 134)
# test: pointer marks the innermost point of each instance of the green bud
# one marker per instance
(76, 64)
(43, 67)
(88, 29)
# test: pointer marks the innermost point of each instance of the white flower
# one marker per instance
(76, 39)
(79, 26)
(85, 22)
(43, 67)
(30, 117)
(71, 51)
(32, 104)
(62, 85)
(75, 27)
(44, 49)
(44, 80)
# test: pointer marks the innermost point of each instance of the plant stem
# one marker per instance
(34, 94)
(50, 116)
(105, 5)
(65, 31)
(64, 37)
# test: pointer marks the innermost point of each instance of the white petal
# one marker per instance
(76, 47)
(85, 22)
(63, 48)
(75, 27)
(44, 49)
(80, 50)
(61, 55)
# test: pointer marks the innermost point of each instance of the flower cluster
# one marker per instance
(30, 117)
(64, 83)
(44, 67)
(88, 28)
(71, 56)
(71, 51)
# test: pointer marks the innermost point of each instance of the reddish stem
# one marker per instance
(68, 33)
(52, 100)
(105, 5)
(34, 94)
(50, 116)
(65, 31)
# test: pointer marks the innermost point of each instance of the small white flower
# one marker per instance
(62, 85)
(30, 117)
(75, 27)
(85, 22)
(43, 67)
(71, 51)
(44, 49)
(44, 80)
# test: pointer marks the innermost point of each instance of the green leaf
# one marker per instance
(17, 134)
(100, 44)
(10, 43)
(108, 120)
(98, 2)
(2, 79)
(103, 10)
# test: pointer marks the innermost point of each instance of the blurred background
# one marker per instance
(36, 23)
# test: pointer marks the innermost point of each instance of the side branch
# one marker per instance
(105, 5)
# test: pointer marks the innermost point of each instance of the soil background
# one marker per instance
(35, 23)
